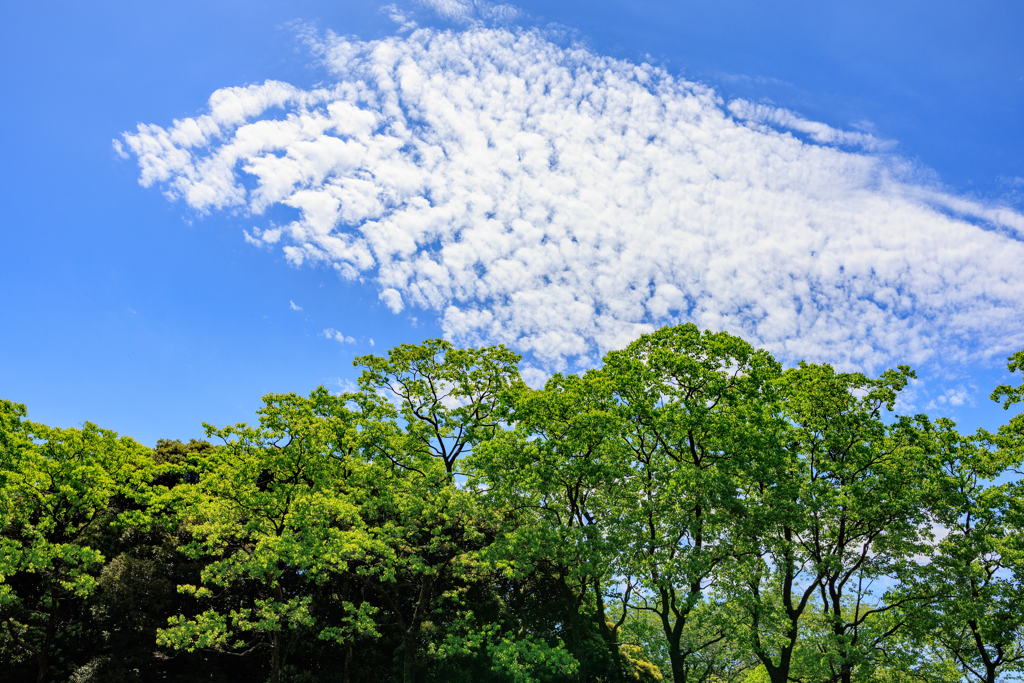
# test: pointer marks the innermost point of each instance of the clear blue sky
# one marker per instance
(149, 314)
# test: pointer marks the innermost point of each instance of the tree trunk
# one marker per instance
(674, 633)
(575, 626)
(777, 673)
(678, 663)
(409, 659)
(347, 678)
(43, 654)
(275, 658)
(608, 634)
(42, 661)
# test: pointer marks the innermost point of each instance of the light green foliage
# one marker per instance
(554, 468)
(758, 675)
(525, 659)
(275, 508)
(432, 529)
(1011, 395)
(1010, 437)
(530, 660)
(56, 487)
(637, 668)
(642, 632)
(552, 474)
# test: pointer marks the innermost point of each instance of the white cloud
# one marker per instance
(472, 11)
(952, 398)
(404, 20)
(119, 149)
(294, 306)
(332, 333)
(453, 10)
(906, 400)
(393, 298)
(563, 203)
(347, 386)
(819, 132)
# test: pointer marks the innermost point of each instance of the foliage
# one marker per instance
(57, 485)
(273, 510)
(686, 511)
(977, 573)
(694, 409)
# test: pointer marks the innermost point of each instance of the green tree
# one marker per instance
(839, 508)
(978, 570)
(57, 485)
(551, 476)
(273, 513)
(446, 396)
(439, 403)
(138, 584)
(725, 660)
(695, 409)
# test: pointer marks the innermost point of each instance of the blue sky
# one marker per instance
(837, 182)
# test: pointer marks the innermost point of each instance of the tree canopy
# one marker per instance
(687, 511)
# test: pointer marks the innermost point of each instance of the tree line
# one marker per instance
(688, 511)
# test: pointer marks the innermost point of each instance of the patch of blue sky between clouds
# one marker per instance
(562, 202)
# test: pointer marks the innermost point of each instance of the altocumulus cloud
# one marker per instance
(563, 203)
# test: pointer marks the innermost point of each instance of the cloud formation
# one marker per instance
(477, 12)
(563, 203)
(332, 333)
(815, 130)
(952, 398)
(403, 19)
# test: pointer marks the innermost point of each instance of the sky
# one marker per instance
(209, 201)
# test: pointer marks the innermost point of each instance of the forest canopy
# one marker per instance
(688, 511)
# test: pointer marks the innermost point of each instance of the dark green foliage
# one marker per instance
(688, 511)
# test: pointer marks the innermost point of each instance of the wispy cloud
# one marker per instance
(563, 203)
(402, 18)
(472, 11)
(294, 306)
(332, 333)
(816, 131)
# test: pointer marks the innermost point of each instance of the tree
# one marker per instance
(137, 587)
(978, 569)
(836, 509)
(551, 477)
(428, 526)
(694, 409)
(446, 396)
(273, 512)
(687, 511)
(56, 488)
